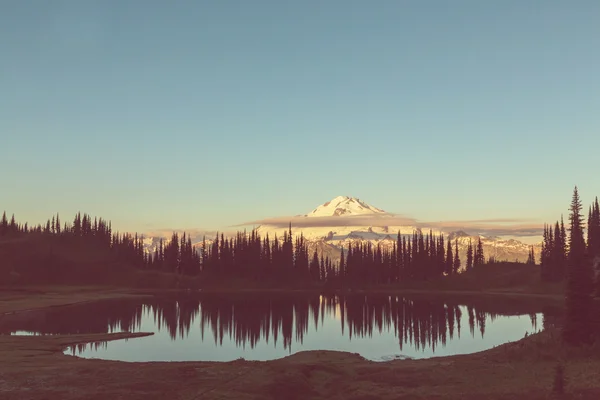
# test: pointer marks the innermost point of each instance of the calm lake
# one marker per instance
(266, 327)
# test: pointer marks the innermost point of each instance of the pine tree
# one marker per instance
(558, 256)
(441, 254)
(594, 241)
(594, 230)
(314, 266)
(449, 259)
(470, 256)
(77, 225)
(57, 224)
(3, 225)
(531, 257)
(594, 244)
(399, 260)
(544, 256)
(479, 256)
(12, 226)
(456, 265)
(579, 303)
(342, 267)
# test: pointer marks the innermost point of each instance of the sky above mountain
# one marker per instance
(192, 114)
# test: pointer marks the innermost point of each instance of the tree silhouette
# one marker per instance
(470, 256)
(449, 259)
(3, 225)
(531, 257)
(479, 258)
(578, 318)
(456, 265)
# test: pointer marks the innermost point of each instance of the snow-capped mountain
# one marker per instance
(341, 219)
(348, 220)
(344, 205)
(354, 226)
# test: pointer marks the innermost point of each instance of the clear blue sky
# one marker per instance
(204, 114)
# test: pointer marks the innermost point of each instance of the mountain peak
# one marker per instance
(346, 206)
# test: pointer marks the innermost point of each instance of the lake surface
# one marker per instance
(261, 327)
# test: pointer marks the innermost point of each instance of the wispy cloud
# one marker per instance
(194, 233)
(495, 230)
(486, 227)
(357, 220)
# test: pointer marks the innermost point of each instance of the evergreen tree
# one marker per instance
(342, 268)
(77, 225)
(399, 259)
(449, 259)
(479, 259)
(531, 257)
(441, 256)
(57, 224)
(558, 256)
(3, 225)
(456, 265)
(578, 319)
(546, 258)
(314, 266)
(594, 241)
(12, 226)
(470, 256)
(592, 231)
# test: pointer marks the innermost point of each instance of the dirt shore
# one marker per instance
(36, 368)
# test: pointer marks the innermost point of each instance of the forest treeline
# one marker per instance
(556, 244)
(575, 260)
(247, 255)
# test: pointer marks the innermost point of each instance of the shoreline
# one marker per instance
(54, 297)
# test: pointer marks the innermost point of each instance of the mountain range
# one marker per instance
(346, 220)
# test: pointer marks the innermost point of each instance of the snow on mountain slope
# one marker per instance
(344, 205)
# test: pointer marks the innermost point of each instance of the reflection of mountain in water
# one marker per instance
(277, 318)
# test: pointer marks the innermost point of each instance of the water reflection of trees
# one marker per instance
(283, 319)
(98, 317)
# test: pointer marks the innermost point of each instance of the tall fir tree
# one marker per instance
(470, 256)
(449, 259)
(578, 319)
(3, 224)
(531, 257)
(456, 264)
(594, 242)
(342, 266)
(479, 258)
